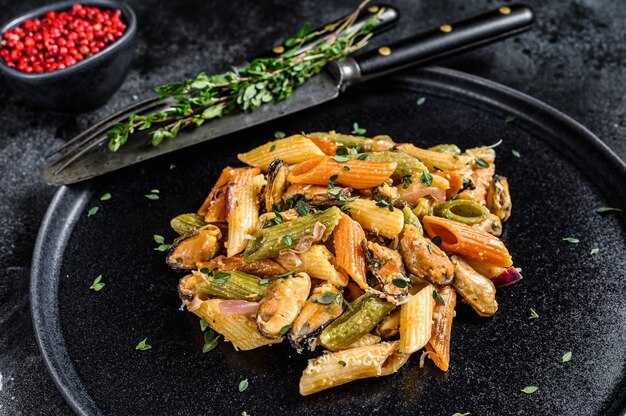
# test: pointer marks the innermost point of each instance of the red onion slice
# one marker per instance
(507, 277)
(305, 243)
(412, 196)
(238, 307)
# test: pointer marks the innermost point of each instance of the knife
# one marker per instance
(444, 41)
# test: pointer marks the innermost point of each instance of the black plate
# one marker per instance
(88, 339)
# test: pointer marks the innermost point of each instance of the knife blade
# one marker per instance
(422, 48)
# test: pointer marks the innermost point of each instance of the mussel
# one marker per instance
(499, 198)
(386, 266)
(265, 268)
(316, 195)
(276, 184)
(423, 258)
(475, 288)
(187, 250)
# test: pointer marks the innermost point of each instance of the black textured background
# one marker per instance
(574, 59)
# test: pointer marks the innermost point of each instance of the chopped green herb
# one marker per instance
(143, 345)
(152, 197)
(480, 163)
(288, 240)
(302, 208)
(163, 247)
(515, 153)
(159, 239)
(172, 166)
(426, 179)
(437, 240)
(221, 278)
(438, 297)
(353, 151)
(285, 329)
(211, 340)
(341, 158)
(509, 119)
(363, 156)
(264, 281)
(333, 178)
(279, 135)
(358, 130)
(154, 191)
(594, 251)
(341, 363)
(602, 210)
(533, 314)
(221, 185)
(327, 298)
(203, 325)
(272, 148)
(530, 389)
(347, 304)
(566, 357)
(341, 151)
(384, 204)
(571, 240)
(277, 217)
(97, 285)
(406, 181)
(207, 271)
(401, 283)
(92, 211)
(105, 197)
(430, 248)
(284, 275)
(421, 100)
(346, 168)
(461, 414)
(243, 385)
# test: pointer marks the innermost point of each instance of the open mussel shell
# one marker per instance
(187, 250)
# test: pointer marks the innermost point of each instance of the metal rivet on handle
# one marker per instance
(384, 51)
(373, 9)
(278, 49)
(445, 28)
(504, 10)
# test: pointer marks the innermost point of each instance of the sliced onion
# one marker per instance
(412, 196)
(238, 307)
(289, 259)
(305, 243)
(507, 277)
(194, 304)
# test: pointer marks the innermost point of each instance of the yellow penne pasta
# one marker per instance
(379, 220)
(367, 339)
(443, 313)
(293, 149)
(484, 153)
(416, 320)
(436, 160)
(329, 370)
(357, 174)
(239, 329)
(320, 263)
(243, 213)
(348, 236)
(468, 241)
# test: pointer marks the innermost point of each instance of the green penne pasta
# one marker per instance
(344, 139)
(411, 218)
(462, 210)
(366, 312)
(232, 285)
(187, 223)
(268, 242)
(406, 164)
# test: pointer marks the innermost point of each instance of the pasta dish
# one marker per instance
(358, 246)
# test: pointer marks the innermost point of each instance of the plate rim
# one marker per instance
(46, 320)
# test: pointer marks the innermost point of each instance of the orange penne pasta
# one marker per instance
(482, 180)
(329, 148)
(456, 182)
(439, 343)
(360, 174)
(348, 235)
(215, 201)
(468, 241)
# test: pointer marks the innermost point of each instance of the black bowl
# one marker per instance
(85, 85)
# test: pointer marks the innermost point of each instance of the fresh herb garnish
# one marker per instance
(302, 208)
(278, 135)
(264, 281)
(243, 385)
(341, 363)
(342, 151)
(438, 297)
(203, 324)
(594, 251)
(346, 168)
(509, 119)
(566, 357)
(105, 197)
(172, 166)
(426, 179)
(436, 240)
(363, 156)
(481, 163)
(571, 240)
(211, 340)
(285, 275)
(207, 271)
(288, 240)
(602, 210)
(515, 153)
(530, 389)
(384, 204)
(333, 178)
(272, 148)
(430, 248)
(143, 345)
(327, 298)
(533, 314)
(358, 130)
(421, 100)
(152, 197)
(277, 217)
(285, 329)
(406, 181)
(161, 243)
(92, 211)
(97, 285)
(461, 414)
(221, 278)
(341, 158)
(401, 283)
(291, 201)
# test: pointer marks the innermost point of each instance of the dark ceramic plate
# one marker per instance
(88, 339)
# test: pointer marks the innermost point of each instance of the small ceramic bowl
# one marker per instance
(85, 85)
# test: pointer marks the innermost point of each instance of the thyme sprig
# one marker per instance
(194, 101)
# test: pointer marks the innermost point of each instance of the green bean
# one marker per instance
(449, 149)
(232, 285)
(366, 312)
(406, 164)
(462, 210)
(187, 223)
(268, 242)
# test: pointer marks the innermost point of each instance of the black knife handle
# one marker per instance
(446, 40)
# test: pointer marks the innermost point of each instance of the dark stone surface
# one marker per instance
(573, 59)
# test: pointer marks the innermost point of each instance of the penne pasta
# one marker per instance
(357, 174)
(405, 163)
(329, 148)
(348, 236)
(293, 149)
(467, 241)
(214, 208)
(367, 339)
(481, 178)
(320, 263)
(243, 212)
(455, 181)
(484, 153)
(239, 329)
(377, 219)
(416, 320)
(443, 313)
(436, 160)
(345, 139)
(329, 371)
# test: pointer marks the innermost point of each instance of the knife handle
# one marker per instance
(387, 19)
(444, 41)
